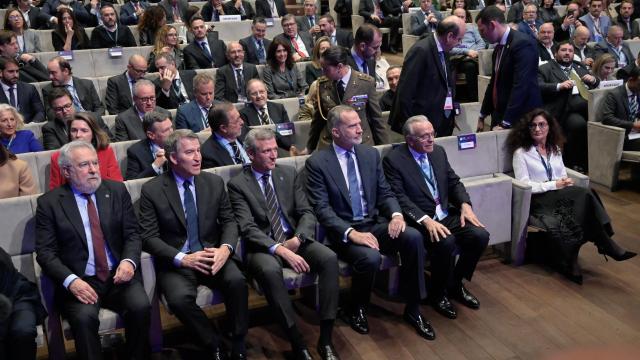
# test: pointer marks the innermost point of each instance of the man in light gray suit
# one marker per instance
(426, 20)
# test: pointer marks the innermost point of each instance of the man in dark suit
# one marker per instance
(625, 21)
(31, 69)
(54, 132)
(377, 13)
(176, 10)
(545, 42)
(173, 87)
(83, 92)
(613, 45)
(278, 227)
(187, 224)
(362, 219)
(146, 158)
(434, 199)
(419, 77)
(231, 79)
(389, 96)
(563, 84)
(23, 313)
(34, 16)
(119, 96)
(129, 123)
(240, 7)
(111, 33)
(131, 11)
(255, 46)
(270, 8)
(530, 23)
(258, 111)
(336, 36)
(87, 242)
(583, 52)
(565, 26)
(301, 42)
(308, 22)
(194, 114)
(516, 11)
(346, 86)
(206, 51)
(426, 20)
(513, 90)
(224, 147)
(362, 55)
(618, 110)
(22, 96)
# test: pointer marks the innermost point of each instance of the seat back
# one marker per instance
(43, 162)
(482, 160)
(31, 160)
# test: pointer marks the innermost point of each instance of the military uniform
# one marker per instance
(360, 93)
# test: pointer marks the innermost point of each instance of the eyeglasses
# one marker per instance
(284, 25)
(62, 108)
(424, 137)
(541, 126)
(139, 71)
(15, 17)
(146, 99)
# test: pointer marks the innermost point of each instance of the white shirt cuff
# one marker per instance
(157, 169)
(177, 260)
(345, 238)
(132, 263)
(69, 280)
(422, 219)
(272, 249)
(397, 214)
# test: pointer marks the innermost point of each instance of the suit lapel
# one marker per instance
(366, 176)
(203, 199)
(173, 196)
(253, 185)
(436, 59)
(281, 189)
(70, 208)
(625, 99)
(351, 87)
(274, 113)
(416, 172)
(336, 173)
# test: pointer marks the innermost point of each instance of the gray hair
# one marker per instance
(16, 115)
(334, 118)
(168, 57)
(171, 144)
(257, 134)
(407, 128)
(64, 160)
(140, 83)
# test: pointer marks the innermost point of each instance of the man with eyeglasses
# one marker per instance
(255, 46)
(119, 95)
(434, 201)
(530, 23)
(173, 87)
(231, 79)
(301, 42)
(83, 92)
(309, 22)
(54, 132)
(194, 114)
(129, 123)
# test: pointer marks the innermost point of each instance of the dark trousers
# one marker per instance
(394, 23)
(365, 262)
(180, 286)
(574, 125)
(267, 270)
(129, 300)
(469, 242)
(18, 333)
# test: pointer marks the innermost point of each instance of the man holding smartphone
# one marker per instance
(565, 26)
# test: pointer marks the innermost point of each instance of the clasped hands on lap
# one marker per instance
(208, 261)
(396, 226)
(87, 295)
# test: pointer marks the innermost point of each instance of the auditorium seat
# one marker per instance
(105, 66)
(606, 153)
(485, 63)
(82, 64)
(35, 128)
(31, 159)
(120, 149)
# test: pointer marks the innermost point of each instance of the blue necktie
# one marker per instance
(354, 188)
(261, 54)
(205, 48)
(193, 235)
(365, 68)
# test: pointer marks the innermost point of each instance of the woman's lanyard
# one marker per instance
(288, 78)
(547, 165)
(11, 141)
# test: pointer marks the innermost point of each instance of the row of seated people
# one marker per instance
(415, 205)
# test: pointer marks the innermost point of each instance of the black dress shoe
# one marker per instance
(464, 297)
(444, 307)
(422, 326)
(357, 320)
(303, 354)
(238, 356)
(327, 352)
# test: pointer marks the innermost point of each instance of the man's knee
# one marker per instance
(369, 261)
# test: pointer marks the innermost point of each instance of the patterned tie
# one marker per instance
(262, 58)
(12, 97)
(97, 237)
(237, 156)
(273, 208)
(297, 48)
(240, 82)
(205, 115)
(340, 88)
(193, 234)
(633, 107)
(311, 21)
(205, 48)
(176, 84)
(74, 95)
(354, 187)
(264, 116)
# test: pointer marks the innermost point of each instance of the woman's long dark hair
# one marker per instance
(271, 54)
(77, 29)
(5, 155)
(520, 135)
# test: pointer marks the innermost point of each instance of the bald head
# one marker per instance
(137, 67)
(545, 34)
(460, 13)
(581, 36)
(615, 35)
(450, 32)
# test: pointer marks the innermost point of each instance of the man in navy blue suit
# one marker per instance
(513, 90)
(362, 219)
(193, 115)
